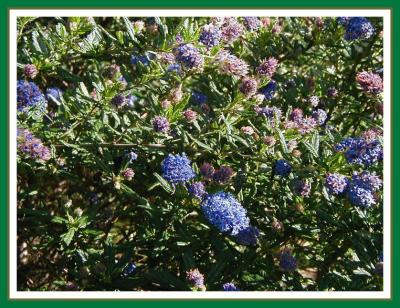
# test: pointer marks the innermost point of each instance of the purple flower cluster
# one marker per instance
(268, 67)
(207, 170)
(210, 35)
(336, 183)
(304, 124)
(29, 95)
(177, 169)
(195, 278)
(272, 114)
(302, 188)
(30, 71)
(248, 87)
(231, 30)
(370, 82)
(119, 100)
(29, 144)
(230, 64)
(252, 23)
(160, 124)
(222, 175)
(197, 190)
(224, 212)
(361, 151)
(189, 56)
(190, 115)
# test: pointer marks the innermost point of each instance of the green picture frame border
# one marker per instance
(6, 5)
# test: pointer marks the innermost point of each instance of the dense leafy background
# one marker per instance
(80, 223)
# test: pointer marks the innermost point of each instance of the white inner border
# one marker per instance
(14, 294)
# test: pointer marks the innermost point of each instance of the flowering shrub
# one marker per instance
(236, 153)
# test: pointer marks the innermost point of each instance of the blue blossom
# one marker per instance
(143, 59)
(175, 67)
(189, 56)
(132, 156)
(360, 151)
(29, 95)
(320, 116)
(197, 190)
(248, 236)
(282, 167)
(53, 93)
(336, 183)
(358, 28)
(131, 100)
(177, 169)
(224, 212)
(198, 98)
(367, 180)
(128, 270)
(210, 35)
(269, 90)
(229, 286)
(360, 196)
(287, 262)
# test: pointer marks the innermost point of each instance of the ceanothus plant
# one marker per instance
(200, 153)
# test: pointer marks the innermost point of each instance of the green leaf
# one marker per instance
(282, 141)
(130, 29)
(68, 236)
(164, 184)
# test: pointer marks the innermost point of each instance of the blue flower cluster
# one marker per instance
(229, 286)
(198, 98)
(210, 35)
(320, 116)
(287, 262)
(269, 90)
(189, 56)
(143, 59)
(29, 95)
(53, 93)
(224, 212)
(361, 151)
(177, 169)
(357, 27)
(362, 188)
(282, 167)
(248, 236)
(128, 270)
